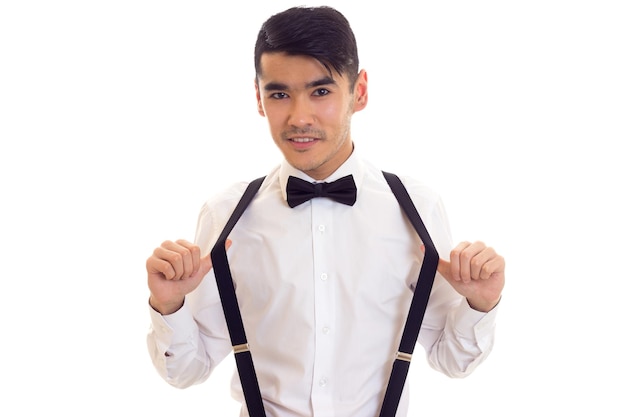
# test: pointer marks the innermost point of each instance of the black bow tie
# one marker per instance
(343, 190)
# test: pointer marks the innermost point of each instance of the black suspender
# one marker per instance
(243, 357)
(417, 309)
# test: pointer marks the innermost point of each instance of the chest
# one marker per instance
(367, 252)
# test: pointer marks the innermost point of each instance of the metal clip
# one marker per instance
(241, 348)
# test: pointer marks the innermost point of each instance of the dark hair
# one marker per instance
(322, 33)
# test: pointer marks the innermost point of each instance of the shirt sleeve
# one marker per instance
(187, 345)
(465, 342)
(456, 337)
(173, 342)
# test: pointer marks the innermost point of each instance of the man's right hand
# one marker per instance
(174, 270)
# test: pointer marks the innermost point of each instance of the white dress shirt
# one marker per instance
(324, 289)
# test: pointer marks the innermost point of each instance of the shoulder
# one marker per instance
(225, 199)
(220, 205)
(217, 209)
(419, 189)
(420, 192)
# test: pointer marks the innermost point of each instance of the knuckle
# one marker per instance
(169, 272)
(465, 256)
(177, 258)
(194, 250)
(486, 270)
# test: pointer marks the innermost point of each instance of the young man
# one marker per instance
(323, 286)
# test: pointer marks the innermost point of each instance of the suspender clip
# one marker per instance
(241, 348)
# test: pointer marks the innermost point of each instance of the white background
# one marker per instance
(118, 118)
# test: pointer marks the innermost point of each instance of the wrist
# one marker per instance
(165, 308)
(483, 306)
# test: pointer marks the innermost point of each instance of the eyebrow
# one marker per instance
(274, 86)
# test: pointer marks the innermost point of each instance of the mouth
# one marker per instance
(302, 143)
(302, 140)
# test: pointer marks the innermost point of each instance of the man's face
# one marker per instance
(309, 110)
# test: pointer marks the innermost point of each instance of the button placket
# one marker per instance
(324, 294)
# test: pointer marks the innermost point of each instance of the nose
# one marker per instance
(301, 112)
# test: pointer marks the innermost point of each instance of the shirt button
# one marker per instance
(323, 382)
(324, 276)
(321, 228)
(325, 329)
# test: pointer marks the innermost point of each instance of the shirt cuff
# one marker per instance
(163, 327)
(475, 324)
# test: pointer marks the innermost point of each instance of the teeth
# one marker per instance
(302, 140)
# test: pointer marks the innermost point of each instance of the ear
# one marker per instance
(360, 91)
(259, 104)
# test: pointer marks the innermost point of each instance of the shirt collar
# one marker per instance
(352, 166)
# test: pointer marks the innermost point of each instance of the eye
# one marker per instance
(321, 92)
(279, 95)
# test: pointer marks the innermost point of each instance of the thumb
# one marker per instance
(206, 263)
(443, 267)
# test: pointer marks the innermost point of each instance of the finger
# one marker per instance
(175, 269)
(443, 267)
(191, 258)
(467, 264)
(471, 261)
(205, 263)
(494, 265)
(478, 263)
(458, 270)
(159, 266)
(178, 256)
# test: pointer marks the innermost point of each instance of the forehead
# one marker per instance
(294, 71)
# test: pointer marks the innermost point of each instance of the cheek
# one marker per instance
(335, 115)
(275, 122)
(331, 113)
(270, 114)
